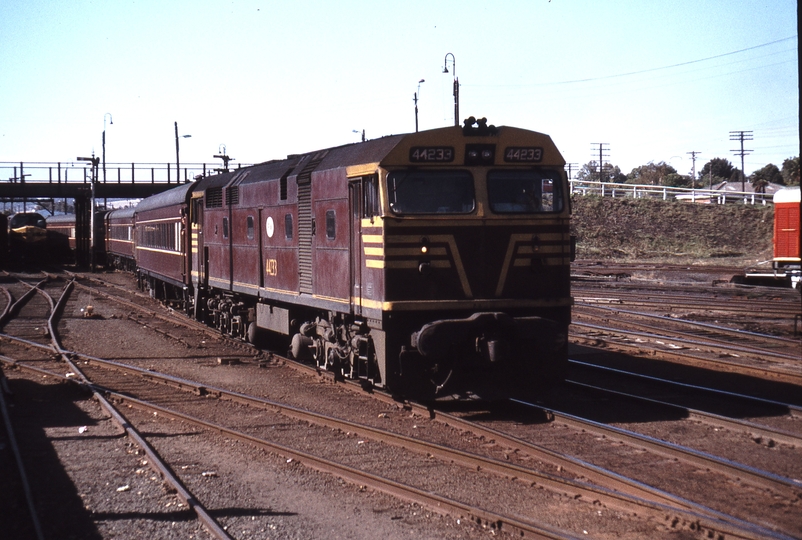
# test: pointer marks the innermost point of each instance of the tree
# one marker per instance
(761, 178)
(588, 172)
(718, 170)
(610, 173)
(790, 171)
(718, 167)
(655, 174)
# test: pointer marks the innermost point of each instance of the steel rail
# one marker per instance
(622, 493)
(182, 320)
(696, 342)
(413, 439)
(672, 301)
(729, 519)
(9, 301)
(721, 365)
(688, 337)
(14, 308)
(793, 410)
(153, 457)
(710, 521)
(709, 418)
(752, 475)
(639, 492)
(435, 503)
(618, 482)
(718, 328)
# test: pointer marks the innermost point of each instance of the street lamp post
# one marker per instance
(111, 123)
(456, 84)
(177, 161)
(415, 99)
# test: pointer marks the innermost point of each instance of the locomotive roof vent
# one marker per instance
(471, 127)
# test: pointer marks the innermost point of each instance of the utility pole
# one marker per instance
(693, 154)
(602, 155)
(415, 99)
(741, 136)
(570, 166)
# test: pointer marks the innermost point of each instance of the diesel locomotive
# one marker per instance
(428, 263)
(27, 235)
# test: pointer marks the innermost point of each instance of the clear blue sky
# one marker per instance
(654, 79)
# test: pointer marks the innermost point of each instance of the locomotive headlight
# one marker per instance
(486, 154)
(473, 154)
(424, 245)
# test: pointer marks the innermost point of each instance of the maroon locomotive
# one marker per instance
(426, 263)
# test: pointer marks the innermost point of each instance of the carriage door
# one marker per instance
(355, 247)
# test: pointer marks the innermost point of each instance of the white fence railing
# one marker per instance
(638, 191)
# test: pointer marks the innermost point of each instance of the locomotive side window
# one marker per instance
(370, 190)
(331, 225)
(250, 227)
(431, 192)
(195, 211)
(526, 191)
(288, 226)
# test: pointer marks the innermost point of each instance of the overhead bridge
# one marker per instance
(56, 180)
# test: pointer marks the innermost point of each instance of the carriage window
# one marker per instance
(431, 192)
(521, 191)
(288, 226)
(225, 227)
(331, 226)
(250, 227)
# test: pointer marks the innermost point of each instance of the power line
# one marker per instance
(664, 67)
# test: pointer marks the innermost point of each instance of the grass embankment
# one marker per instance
(630, 230)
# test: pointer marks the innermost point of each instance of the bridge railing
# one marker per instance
(638, 191)
(76, 172)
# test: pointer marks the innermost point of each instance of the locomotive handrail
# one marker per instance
(640, 191)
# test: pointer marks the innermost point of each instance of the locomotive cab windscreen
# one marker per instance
(431, 192)
(525, 191)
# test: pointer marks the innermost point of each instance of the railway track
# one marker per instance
(690, 342)
(775, 346)
(678, 510)
(512, 448)
(757, 303)
(771, 434)
(25, 315)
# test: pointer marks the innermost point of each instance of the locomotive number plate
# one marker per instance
(526, 154)
(431, 154)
